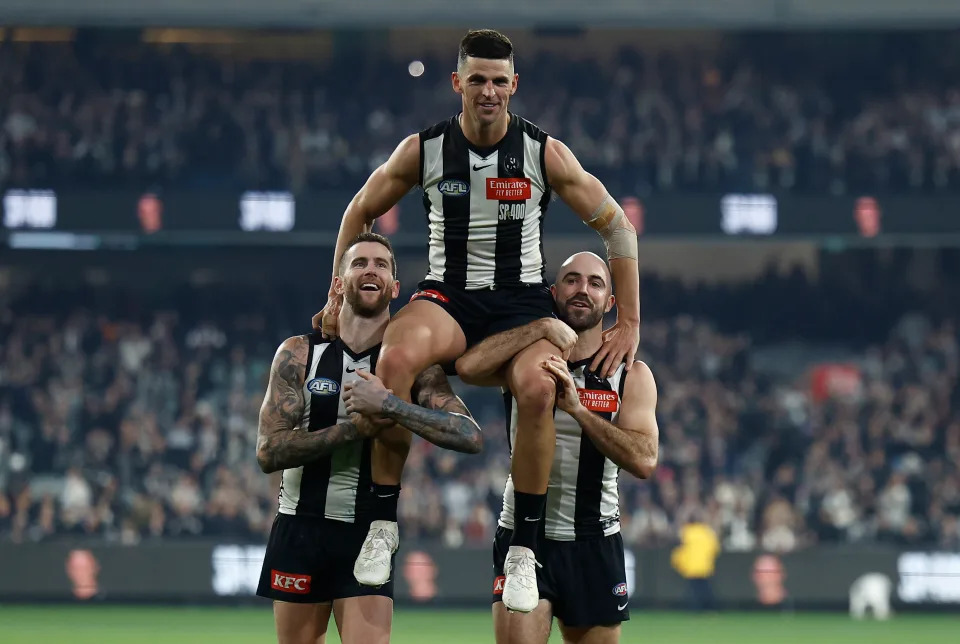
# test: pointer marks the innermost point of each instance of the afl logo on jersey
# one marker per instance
(323, 387)
(453, 187)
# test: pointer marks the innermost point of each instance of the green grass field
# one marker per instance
(163, 625)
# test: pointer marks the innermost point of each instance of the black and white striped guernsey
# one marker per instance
(338, 485)
(583, 501)
(485, 206)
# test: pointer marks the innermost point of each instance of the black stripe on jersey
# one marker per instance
(365, 477)
(586, 516)
(324, 411)
(456, 208)
(510, 212)
(544, 200)
(623, 382)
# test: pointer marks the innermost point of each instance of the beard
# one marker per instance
(580, 319)
(364, 308)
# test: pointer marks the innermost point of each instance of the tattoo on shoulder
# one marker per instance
(286, 381)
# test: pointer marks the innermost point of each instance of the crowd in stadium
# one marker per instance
(132, 417)
(758, 114)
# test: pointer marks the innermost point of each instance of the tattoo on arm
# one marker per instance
(280, 444)
(440, 416)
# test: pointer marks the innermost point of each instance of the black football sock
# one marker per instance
(527, 519)
(385, 498)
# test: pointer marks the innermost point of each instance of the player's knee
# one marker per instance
(535, 391)
(398, 366)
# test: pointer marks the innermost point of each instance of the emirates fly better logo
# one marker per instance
(598, 400)
(512, 189)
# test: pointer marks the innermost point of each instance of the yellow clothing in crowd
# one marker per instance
(697, 553)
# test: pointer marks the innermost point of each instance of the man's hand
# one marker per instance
(370, 426)
(559, 334)
(326, 320)
(568, 399)
(365, 396)
(620, 343)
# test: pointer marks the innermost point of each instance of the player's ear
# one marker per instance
(338, 284)
(516, 82)
(610, 302)
(455, 82)
(396, 290)
(553, 290)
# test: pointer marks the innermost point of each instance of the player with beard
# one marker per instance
(317, 437)
(487, 177)
(604, 423)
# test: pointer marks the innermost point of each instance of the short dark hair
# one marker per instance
(371, 237)
(485, 43)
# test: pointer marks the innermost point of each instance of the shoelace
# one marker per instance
(381, 544)
(522, 565)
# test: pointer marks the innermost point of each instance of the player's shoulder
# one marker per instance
(529, 128)
(639, 380)
(437, 129)
(293, 349)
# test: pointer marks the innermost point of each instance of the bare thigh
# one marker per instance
(590, 634)
(364, 620)
(301, 623)
(523, 628)
(420, 335)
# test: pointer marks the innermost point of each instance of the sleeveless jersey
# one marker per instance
(338, 485)
(485, 207)
(583, 501)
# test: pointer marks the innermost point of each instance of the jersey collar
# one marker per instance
(375, 349)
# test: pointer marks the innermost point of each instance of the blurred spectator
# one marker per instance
(694, 560)
(139, 423)
(742, 115)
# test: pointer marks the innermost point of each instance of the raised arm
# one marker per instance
(483, 365)
(439, 415)
(633, 441)
(384, 188)
(587, 197)
(281, 443)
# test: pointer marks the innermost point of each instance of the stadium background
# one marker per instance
(170, 199)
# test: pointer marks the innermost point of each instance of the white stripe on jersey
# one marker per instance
(481, 235)
(432, 175)
(290, 479)
(345, 466)
(561, 503)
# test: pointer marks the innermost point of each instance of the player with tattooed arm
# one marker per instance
(312, 430)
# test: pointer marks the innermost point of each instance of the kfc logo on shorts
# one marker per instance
(513, 189)
(620, 590)
(598, 400)
(498, 585)
(287, 583)
(432, 294)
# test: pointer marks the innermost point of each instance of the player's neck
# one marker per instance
(484, 136)
(360, 333)
(588, 343)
